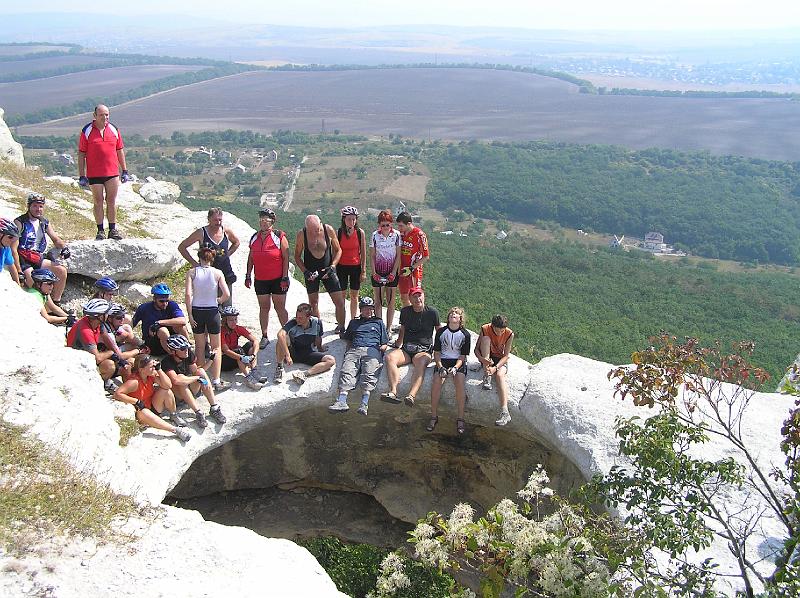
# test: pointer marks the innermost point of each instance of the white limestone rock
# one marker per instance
(128, 259)
(64, 180)
(9, 149)
(135, 292)
(160, 192)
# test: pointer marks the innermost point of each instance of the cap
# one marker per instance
(415, 291)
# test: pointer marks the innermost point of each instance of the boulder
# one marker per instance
(64, 180)
(135, 292)
(9, 149)
(128, 259)
(160, 192)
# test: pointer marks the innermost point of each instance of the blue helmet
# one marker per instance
(161, 289)
(107, 284)
(44, 275)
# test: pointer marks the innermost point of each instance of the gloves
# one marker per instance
(443, 372)
(71, 319)
(247, 282)
(246, 359)
(154, 328)
(125, 177)
(285, 283)
(452, 372)
(138, 405)
(376, 277)
(202, 380)
(390, 278)
(325, 272)
(65, 252)
(83, 182)
(309, 275)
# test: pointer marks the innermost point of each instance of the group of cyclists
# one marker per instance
(159, 368)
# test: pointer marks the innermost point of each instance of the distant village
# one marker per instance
(653, 242)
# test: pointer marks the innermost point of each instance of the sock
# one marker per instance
(100, 228)
(342, 397)
(217, 381)
(112, 225)
(365, 398)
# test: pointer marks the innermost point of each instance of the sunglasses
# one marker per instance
(160, 300)
(385, 224)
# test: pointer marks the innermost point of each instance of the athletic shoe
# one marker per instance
(363, 409)
(252, 383)
(396, 328)
(299, 376)
(177, 420)
(505, 418)
(201, 420)
(263, 343)
(216, 414)
(339, 329)
(278, 377)
(115, 234)
(221, 385)
(339, 406)
(487, 382)
(184, 435)
(474, 367)
(100, 236)
(110, 386)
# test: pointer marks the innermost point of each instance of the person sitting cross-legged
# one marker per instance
(160, 318)
(148, 390)
(367, 341)
(300, 340)
(119, 338)
(234, 357)
(450, 350)
(85, 336)
(187, 379)
(43, 281)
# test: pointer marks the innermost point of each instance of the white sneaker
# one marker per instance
(339, 406)
(487, 383)
(363, 409)
(505, 418)
(252, 384)
(263, 343)
(183, 434)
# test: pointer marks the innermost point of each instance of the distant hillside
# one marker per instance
(720, 207)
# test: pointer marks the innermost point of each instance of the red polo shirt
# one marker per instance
(100, 149)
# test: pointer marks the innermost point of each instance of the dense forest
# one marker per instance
(722, 207)
(566, 298)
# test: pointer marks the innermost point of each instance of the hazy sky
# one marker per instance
(535, 14)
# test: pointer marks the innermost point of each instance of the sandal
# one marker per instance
(390, 397)
(409, 400)
(460, 426)
(432, 424)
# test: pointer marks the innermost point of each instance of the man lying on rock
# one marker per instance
(148, 390)
(187, 380)
(300, 340)
(367, 341)
(160, 318)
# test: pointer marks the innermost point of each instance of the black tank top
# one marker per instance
(221, 259)
(317, 263)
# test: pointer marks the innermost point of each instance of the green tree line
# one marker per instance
(716, 206)
(694, 93)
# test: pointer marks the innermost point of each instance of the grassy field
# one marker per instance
(52, 62)
(28, 96)
(460, 104)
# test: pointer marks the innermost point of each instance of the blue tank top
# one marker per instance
(221, 260)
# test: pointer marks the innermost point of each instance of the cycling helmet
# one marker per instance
(7, 227)
(349, 211)
(268, 213)
(366, 302)
(177, 342)
(107, 284)
(229, 310)
(44, 275)
(96, 307)
(35, 198)
(116, 310)
(161, 289)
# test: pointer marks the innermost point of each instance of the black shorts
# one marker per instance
(448, 363)
(331, 284)
(391, 285)
(411, 350)
(99, 180)
(229, 364)
(208, 320)
(307, 357)
(349, 277)
(154, 345)
(269, 287)
(496, 358)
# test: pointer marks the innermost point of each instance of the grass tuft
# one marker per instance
(128, 428)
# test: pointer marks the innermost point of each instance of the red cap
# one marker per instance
(415, 291)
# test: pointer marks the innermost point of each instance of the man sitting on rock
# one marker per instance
(85, 336)
(160, 318)
(367, 341)
(493, 350)
(43, 281)
(120, 338)
(243, 358)
(300, 339)
(418, 322)
(9, 258)
(34, 230)
(187, 379)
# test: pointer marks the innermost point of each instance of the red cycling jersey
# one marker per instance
(265, 252)
(100, 150)
(413, 248)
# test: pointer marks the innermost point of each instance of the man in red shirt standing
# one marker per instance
(100, 156)
(413, 254)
